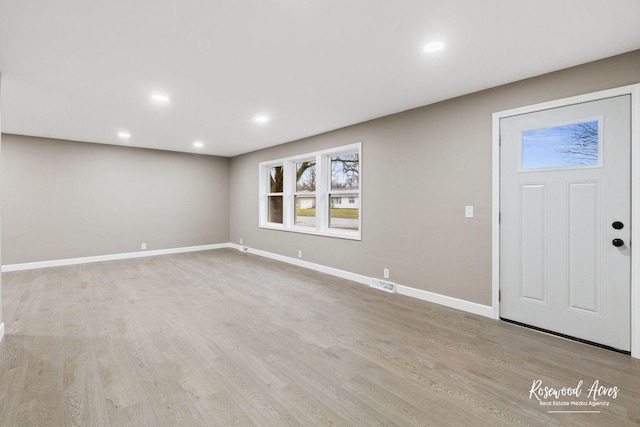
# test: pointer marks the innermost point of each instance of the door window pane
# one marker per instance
(345, 172)
(306, 211)
(561, 146)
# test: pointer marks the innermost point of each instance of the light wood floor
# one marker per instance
(226, 338)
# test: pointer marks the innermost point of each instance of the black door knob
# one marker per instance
(618, 242)
(618, 225)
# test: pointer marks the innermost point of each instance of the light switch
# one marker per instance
(468, 211)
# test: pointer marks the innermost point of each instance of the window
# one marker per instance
(566, 146)
(314, 193)
(276, 187)
(305, 196)
(345, 181)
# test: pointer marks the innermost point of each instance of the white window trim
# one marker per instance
(322, 193)
(268, 194)
(297, 193)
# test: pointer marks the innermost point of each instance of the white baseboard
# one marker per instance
(458, 304)
(1, 331)
(113, 257)
(306, 264)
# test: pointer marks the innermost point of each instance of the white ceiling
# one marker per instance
(83, 70)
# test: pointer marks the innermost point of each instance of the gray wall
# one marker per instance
(1, 205)
(420, 168)
(63, 199)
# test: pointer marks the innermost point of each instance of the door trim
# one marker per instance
(634, 92)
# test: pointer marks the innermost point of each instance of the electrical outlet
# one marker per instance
(143, 246)
(385, 273)
(241, 240)
(299, 254)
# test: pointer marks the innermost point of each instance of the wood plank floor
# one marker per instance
(226, 338)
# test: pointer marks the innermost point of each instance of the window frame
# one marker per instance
(274, 194)
(297, 193)
(322, 193)
(599, 164)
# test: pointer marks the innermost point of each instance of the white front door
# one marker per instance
(565, 253)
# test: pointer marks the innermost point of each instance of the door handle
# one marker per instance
(617, 242)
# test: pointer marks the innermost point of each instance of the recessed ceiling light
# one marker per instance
(434, 47)
(262, 119)
(160, 98)
(198, 144)
(123, 134)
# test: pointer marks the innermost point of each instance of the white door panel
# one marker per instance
(565, 178)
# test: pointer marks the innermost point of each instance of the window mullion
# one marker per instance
(322, 207)
(289, 193)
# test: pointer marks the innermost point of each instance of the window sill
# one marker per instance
(355, 235)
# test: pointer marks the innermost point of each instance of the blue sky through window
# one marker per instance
(561, 146)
